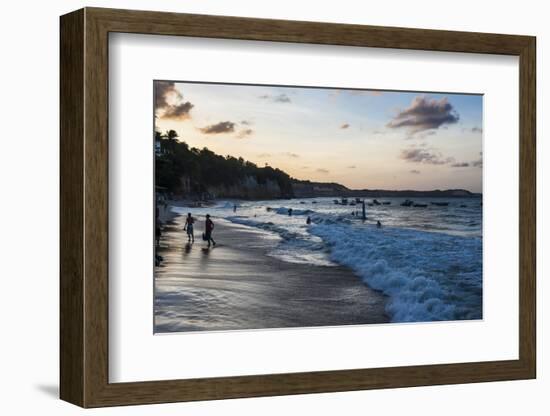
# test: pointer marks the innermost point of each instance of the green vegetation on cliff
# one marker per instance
(190, 171)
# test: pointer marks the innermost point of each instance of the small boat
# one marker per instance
(344, 201)
(440, 204)
(353, 203)
(386, 202)
(336, 202)
(313, 202)
(358, 200)
(463, 206)
(375, 202)
(370, 204)
(302, 202)
(407, 203)
(420, 205)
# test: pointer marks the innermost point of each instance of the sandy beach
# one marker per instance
(236, 285)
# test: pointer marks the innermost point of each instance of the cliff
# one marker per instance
(307, 189)
(437, 193)
(200, 173)
(247, 188)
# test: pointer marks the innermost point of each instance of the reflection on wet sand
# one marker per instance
(236, 285)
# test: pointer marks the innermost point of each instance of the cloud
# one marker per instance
(279, 98)
(425, 156)
(221, 127)
(414, 172)
(244, 132)
(163, 91)
(344, 126)
(421, 135)
(178, 112)
(282, 98)
(169, 100)
(419, 154)
(287, 154)
(425, 114)
(320, 170)
(375, 132)
(246, 122)
(474, 129)
(479, 162)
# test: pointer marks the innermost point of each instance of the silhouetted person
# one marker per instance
(189, 221)
(234, 207)
(378, 224)
(308, 221)
(290, 212)
(158, 232)
(208, 228)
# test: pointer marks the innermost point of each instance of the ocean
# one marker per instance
(426, 260)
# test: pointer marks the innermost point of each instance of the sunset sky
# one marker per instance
(359, 138)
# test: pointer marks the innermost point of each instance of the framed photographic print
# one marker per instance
(256, 207)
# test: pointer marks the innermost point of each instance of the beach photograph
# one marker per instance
(296, 206)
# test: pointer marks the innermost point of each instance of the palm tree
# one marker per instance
(171, 136)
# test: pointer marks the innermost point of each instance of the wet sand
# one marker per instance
(236, 285)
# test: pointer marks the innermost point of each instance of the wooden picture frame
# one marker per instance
(84, 207)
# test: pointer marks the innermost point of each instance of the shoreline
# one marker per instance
(237, 285)
(167, 215)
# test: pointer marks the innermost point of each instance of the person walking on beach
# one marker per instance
(208, 228)
(234, 207)
(189, 221)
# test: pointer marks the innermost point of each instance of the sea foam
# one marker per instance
(427, 276)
